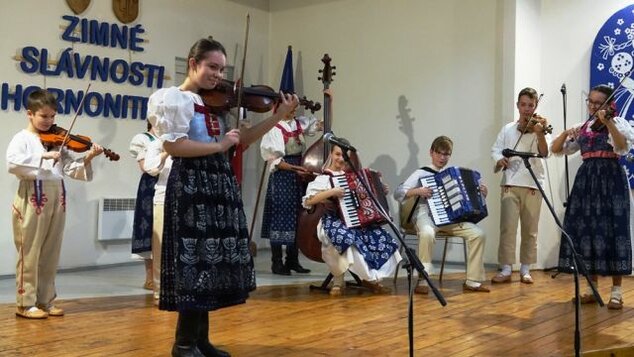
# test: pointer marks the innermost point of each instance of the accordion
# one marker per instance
(356, 207)
(456, 197)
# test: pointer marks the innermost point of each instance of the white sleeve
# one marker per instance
(138, 146)
(75, 167)
(626, 129)
(21, 161)
(498, 146)
(308, 124)
(272, 147)
(412, 181)
(571, 145)
(153, 164)
(169, 111)
(319, 184)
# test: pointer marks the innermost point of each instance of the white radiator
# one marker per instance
(116, 217)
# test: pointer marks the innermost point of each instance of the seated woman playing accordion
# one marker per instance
(370, 251)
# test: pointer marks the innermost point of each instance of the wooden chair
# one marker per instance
(408, 228)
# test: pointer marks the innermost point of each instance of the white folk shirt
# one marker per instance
(153, 166)
(24, 160)
(516, 174)
(272, 146)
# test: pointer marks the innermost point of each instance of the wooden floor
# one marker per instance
(513, 320)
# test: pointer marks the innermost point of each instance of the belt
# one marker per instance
(600, 155)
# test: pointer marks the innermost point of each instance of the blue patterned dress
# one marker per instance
(206, 263)
(374, 243)
(598, 212)
(284, 192)
(375, 254)
(143, 211)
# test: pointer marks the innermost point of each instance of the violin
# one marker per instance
(56, 135)
(528, 126)
(256, 98)
(610, 112)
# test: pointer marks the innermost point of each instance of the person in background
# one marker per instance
(142, 229)
(282, 148)
(158, 164)
(440, 153)
(370, 252)
(521, 200)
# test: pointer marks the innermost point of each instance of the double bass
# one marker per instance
(313, 160)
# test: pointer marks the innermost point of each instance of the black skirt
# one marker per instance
(142, 230)
(206, 263)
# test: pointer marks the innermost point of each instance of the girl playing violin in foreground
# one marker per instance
(206, 264)
(598, 211)
(369, 252)
(39, 207)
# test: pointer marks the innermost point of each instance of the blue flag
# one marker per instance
(287, 84)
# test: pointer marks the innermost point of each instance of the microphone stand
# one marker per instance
(564, 98)
(413, 261)
(577, 262)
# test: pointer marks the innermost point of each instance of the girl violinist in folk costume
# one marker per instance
(598, 212)
(206, 264)
(282, 148)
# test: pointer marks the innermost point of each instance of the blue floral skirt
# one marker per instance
(281, 207)
(142, 230)
(206, 264)
(598, 219)
(374, 243)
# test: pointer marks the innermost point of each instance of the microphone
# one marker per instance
(522, 154)
(331, 138)
(563, 88)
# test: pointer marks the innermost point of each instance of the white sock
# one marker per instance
(338, 281)
(616, 293)
(472, 284)
(524, 269)
(506, 270)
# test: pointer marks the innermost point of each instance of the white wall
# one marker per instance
(434, 63)
(171, 28)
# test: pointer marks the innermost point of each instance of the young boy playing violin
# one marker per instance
(521, 200)
(39, 206)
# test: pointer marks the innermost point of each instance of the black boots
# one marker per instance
(186, 335)
(276, 257)
(292, 260)
(203, 343)
(192, 336)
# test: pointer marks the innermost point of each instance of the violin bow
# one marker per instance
(241, 79)
(609, 98)
(72, 123)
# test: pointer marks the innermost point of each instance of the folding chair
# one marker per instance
(408, 228)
